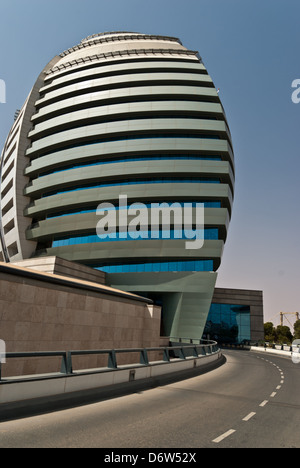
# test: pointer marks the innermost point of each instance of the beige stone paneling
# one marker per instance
(38, 315)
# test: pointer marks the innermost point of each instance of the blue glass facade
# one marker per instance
(165, 157)
(153, 180)
(211, 234)
(206, 204)
(228, 323)
(189, 265)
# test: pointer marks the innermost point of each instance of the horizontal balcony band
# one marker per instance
(144, 182)
(124, 68)
(119, 205)
(111, 172)
(121, 81)
(132, 129)
(128, 111)
(147, 158)
(135, 193)
(105, 151)
(65, 240)
(62, 69)
(92, 207)
(116, 96)
(156, 250)
(165, 268)
(129, 37)
(87, 223)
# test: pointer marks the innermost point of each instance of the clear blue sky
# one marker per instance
(251, 50)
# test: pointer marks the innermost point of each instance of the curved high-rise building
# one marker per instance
(130, 117)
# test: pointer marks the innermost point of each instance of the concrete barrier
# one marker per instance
(56, 391)
(281, 352)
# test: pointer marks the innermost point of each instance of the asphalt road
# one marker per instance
(252, 401)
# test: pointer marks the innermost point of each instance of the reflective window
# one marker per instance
(208, 233)
(167, 157)
(159, 180)
(207, 204)
(146, 136)
(228, 323)
(189, 265)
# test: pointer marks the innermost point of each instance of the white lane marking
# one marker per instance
(273, 394)
(278, 387)
(249, 416)
(223, 436)
(263, 403)
(281, 381)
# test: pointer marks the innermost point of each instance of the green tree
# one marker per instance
(297, 330)
(270, 332)
(284, 334)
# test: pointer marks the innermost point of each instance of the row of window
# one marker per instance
(205, 204)
(189, 265)
(153, 180)
(96, 100)
(122, 58)
(127, 137)
(120, 117)
(98, 72)
(122, 82)
(208, 234)
(167, 157)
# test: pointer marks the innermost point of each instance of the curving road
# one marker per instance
(252, 401)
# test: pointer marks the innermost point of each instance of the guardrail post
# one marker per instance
(66, 364)
(181, 354)
(112, 360)
(166, 356)
(144, 357)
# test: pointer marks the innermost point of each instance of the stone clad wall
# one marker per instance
(62, 267)
(43, 312)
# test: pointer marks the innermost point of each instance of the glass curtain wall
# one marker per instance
(228, 323)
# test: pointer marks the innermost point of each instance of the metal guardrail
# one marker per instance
(187, 348)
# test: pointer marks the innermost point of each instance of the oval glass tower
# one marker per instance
(123, 118)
